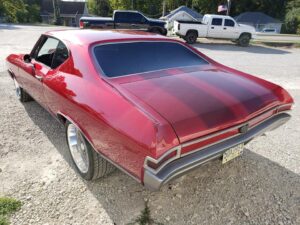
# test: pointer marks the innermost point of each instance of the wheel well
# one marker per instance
(61, 119)
(245, 33)
(12, 75)
(192, 31)
(161, 30)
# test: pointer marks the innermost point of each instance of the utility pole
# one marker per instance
(131, 4)
(56, 12)
(228, 7)
(164, 8)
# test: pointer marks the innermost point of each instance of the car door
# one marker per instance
(138, 21)
(42, 62)
(215, 29)
(230, 30)
(122, 20)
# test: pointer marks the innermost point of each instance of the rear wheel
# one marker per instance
(191, 37)
(21, 93)
(156, 31)
(244, 40)
(89, 164)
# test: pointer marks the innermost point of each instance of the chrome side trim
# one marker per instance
(191, 161)
(156, 161)
(103, 156)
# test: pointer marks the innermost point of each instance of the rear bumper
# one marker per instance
(154, 181)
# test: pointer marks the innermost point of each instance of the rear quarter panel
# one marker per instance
(115, 127)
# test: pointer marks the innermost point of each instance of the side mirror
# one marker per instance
(27, 58)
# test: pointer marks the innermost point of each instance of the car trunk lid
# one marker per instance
(197, 101)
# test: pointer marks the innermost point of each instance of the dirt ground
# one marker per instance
(261, 187)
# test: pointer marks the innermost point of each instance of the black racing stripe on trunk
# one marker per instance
(250, 100)
(212, 113)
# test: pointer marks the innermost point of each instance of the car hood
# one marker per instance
(247, 27)
(197, 101)
(156, 21)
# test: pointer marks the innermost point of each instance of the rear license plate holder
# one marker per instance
(232, 153)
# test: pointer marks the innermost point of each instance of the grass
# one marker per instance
(145, 217)
(7, 207)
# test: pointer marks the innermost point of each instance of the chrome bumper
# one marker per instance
(154, 181)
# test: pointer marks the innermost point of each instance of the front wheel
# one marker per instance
(158, 31)
(22, 95)
(191, 37)
(89, 164)
(244, 40)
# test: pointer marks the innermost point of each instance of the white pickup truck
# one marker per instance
(214, 26)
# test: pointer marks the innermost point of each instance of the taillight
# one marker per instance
(81, 24)
(156, 164)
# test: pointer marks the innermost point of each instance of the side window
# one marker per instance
(61, 54)
(122, 17)
(229, 23)
(136, 18)
(217, 21)
(46, 52)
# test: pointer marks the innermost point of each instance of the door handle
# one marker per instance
(224, 28)
(40, 78)
(212, 27)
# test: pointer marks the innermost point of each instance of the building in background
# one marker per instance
(182, 13)
(259, 21)
(70, 12)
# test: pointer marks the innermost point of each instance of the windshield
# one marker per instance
(119, 59)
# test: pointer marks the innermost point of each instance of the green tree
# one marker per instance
(99, 7)
(292, 17)
(12, 9)
(20, 11)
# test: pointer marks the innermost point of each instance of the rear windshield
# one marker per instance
(121, 59)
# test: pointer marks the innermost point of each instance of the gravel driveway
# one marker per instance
(261, 187)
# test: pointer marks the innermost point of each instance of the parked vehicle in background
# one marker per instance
(269, 30)
(125, 19)
(215, 26)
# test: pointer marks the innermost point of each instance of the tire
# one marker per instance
(22, 95)
(156, 31)
(244, 40)
(191, 37)
(95, 166)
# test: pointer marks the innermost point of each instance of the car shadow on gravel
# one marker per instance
(257, 49)
(249, 190)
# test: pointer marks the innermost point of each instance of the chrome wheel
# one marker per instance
(18, 88)
(78, 148)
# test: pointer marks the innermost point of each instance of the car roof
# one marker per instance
(120, 10)
(89, 36)
(218, 16)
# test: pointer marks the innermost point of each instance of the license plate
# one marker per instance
(232, 153)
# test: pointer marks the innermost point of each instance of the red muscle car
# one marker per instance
(152, 106)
